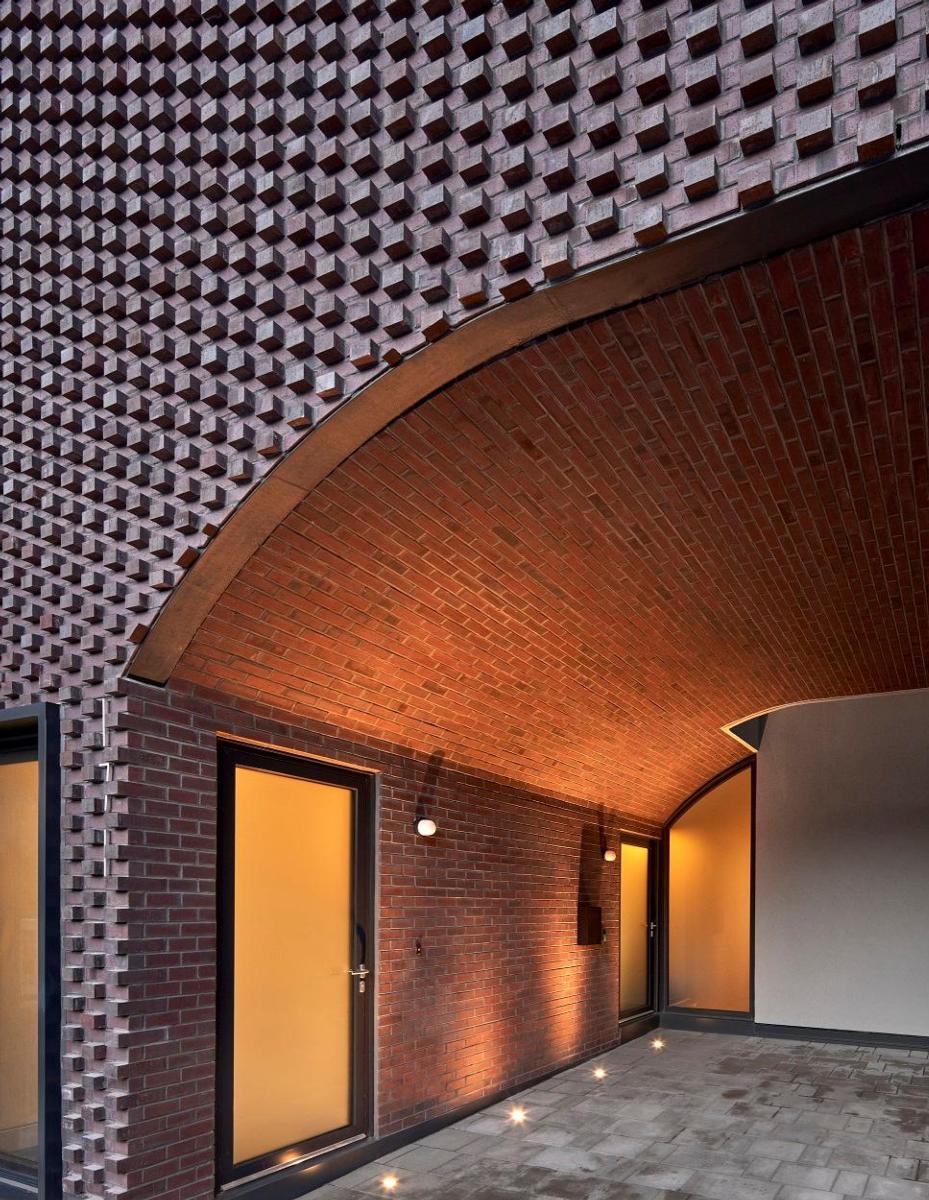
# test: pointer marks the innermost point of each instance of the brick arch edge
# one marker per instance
(821, 210)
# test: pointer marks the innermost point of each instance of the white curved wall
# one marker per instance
(842, 865)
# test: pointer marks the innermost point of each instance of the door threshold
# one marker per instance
(638, 1025)
(293, 1163)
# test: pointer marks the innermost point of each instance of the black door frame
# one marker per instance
(702, 1017)
(230, 755)
(654, 961)
(34, 731)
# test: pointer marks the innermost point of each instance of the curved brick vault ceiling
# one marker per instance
(570, 568)
(220, 220)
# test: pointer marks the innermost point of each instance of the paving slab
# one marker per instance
(709, 1117)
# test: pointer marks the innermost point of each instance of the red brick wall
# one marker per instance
(501, 993)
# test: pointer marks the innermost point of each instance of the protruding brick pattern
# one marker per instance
(821, 349)
(220, 220)
(500, 993)
(582, 560)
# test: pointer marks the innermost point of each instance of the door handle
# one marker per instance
(361, 974)
(651, 928)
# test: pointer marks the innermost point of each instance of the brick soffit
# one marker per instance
(572, 566)
(219, 221)
(820, 208)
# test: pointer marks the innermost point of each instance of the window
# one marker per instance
(30, 1016)
(19, 962)
(709, 899)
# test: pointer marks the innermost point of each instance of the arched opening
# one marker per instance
(710, 847)
(573, 566)
(835, 205)
(529, 604)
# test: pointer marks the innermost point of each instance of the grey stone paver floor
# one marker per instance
(710, 1116)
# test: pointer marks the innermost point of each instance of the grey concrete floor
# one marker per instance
(724, 1118)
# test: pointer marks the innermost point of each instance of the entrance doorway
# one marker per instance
(30, 966)
(637, 927)
(296, 960)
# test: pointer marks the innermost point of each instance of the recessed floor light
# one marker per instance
(517, 1114)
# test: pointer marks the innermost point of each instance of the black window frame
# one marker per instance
(34, 730)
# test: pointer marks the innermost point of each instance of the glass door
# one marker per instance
(637, 927)
(710, 898)
(295, 960)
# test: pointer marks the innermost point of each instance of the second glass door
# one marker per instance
(637, 927)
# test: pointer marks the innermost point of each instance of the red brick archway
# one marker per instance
(835, 205)
(572, 567)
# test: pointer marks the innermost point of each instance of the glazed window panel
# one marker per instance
(19, 964)
(709, 900)
(634, 935)
(293, 990)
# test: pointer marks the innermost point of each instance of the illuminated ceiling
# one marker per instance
(571, 568)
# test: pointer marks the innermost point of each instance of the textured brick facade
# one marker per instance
(500, 993)
(219, 222)
(828, 338)
(221, 219)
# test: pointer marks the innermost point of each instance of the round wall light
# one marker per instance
(426, 827)
(609, 856)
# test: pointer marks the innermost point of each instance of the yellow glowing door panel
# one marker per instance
(292, 1025)
(709, 900)
(634, 939)
(19, 961)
